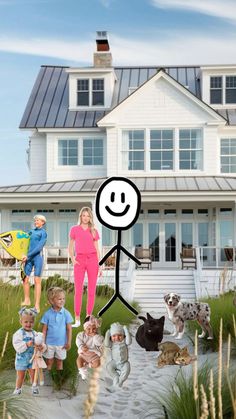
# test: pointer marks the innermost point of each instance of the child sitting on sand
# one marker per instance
(90, 345)
(118, 338)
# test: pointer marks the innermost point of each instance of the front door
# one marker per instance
(162, 241)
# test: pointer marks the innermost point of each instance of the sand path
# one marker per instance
(131, 401)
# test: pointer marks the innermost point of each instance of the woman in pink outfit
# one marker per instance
(84, 254)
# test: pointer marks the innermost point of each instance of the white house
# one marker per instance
(172, 130)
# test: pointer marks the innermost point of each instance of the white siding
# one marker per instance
(63, 173)
(159, 104)
(112, 152)
(162, 105)
(38, 158)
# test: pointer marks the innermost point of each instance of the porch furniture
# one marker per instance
(188, 258)
(144, 255)
(6, 259)
(110, 262)
(55, 255)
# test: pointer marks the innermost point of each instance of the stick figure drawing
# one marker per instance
(118, 203)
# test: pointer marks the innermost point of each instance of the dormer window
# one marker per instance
(222, 90)
(83, 92)
(90, 92)
(230, 92)
(98, 92)
(216, 90)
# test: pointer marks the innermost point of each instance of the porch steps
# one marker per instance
(151, 286)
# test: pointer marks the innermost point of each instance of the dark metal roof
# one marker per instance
(144, 184)
(48, 105)
(49, 100)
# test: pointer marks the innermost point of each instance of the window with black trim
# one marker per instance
(83, 92)
(98, 92)
(216, 90)
(230, 89)
(90, 92)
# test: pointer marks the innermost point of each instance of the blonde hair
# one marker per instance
(91, 223)
(53, 292)
(27, 312)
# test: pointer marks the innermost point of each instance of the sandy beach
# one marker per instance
(131, 401)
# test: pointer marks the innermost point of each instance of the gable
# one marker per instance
(161, 101)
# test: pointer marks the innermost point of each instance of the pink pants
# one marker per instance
(89, 263)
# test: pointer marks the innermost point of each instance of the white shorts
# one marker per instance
(55, 352)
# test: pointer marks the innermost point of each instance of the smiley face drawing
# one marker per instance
(118, 203)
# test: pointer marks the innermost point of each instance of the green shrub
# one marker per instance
(221, 307)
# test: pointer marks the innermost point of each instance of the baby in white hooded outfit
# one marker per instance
(118, 338)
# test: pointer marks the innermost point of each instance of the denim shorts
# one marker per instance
(22, 362)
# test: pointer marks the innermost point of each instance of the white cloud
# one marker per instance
(106, 3)
(223, 9)
(65, 50)
(177, 48)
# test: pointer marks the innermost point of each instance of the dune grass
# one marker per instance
(10, 299)
(222, 307)
(208, 392)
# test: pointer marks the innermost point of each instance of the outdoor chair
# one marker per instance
(144, 255)
(188, 258)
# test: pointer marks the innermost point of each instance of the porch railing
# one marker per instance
(217, 257)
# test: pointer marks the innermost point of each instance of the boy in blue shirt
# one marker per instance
(57, 328)
(34, 258)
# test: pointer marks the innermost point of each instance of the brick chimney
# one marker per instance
(102, 57)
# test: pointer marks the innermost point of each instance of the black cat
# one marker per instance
(150, 333)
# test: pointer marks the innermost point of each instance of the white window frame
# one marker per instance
(161, 150)
(201, 149)
(223, 104)
(127, 150)
(147, 150)
(227, 155)
(68, 140)
(80, 139)
(90, 92)
(82, 154)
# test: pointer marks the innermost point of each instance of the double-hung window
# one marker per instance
(133, 153)
(98, 92)
(92, 152)
(67, 152)
(216, 90)
(161, 150)
(83, 92)
(90, 92)
(222, 90)
(190, 149)
(230, 89)
(228, 155)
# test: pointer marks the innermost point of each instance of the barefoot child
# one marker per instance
(56, 328)
(23, 343)
(89, 345)
(34, 258)
(118, 338)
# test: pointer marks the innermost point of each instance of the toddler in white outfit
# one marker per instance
(90, 346)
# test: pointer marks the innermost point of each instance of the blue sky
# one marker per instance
(141, 32)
